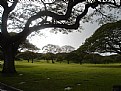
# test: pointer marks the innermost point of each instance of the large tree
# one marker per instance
(27, 16)
(107, 38)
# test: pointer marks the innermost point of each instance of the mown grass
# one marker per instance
(56, 77)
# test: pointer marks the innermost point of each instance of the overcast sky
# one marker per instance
(74, 39)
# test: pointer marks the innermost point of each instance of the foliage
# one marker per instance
(105, 39)
(53, 52)
(60, 57)
(67, 49)
(50, 48)
(72, 56)
(26, 45)
(27, 55)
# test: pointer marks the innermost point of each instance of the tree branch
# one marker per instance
(27, 30)
(59, 17)
(4, 22)
(5, 14)
(13, 5)
(111, 3)
(4, 3)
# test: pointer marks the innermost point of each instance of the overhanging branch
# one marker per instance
(27, 30)
(13, 5)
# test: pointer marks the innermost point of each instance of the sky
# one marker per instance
(74, 39)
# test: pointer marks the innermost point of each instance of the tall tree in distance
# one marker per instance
(67, 49)
(50, 48)
(27, 16)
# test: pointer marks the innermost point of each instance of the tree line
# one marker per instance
(72, 57)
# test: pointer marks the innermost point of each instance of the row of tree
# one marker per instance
(73, 57)
(50, 52)
(50, 48)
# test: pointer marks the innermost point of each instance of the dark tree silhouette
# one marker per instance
(107, 38)
(33, 15)
(26, 45)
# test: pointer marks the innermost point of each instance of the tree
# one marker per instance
(50, 48)
(27, 55)
(26, 17)
(59, 57)
(26, 45)
(107, 38)
(73, 56)
(67, 49)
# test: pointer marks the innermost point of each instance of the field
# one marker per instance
(64, 77)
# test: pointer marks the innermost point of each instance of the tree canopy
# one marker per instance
(50, 48)
(107, 38)
(26, 45)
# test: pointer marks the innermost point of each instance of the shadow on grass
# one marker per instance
(106, 66)
(24, 66)
(20, 66)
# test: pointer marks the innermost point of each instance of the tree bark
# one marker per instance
(68, 61)
(53, 61)
(9, 55)
(32, 60)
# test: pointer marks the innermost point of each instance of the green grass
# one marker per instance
(56, 77)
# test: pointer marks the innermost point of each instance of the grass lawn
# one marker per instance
(63, 77)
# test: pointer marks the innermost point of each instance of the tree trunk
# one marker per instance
(68, 61)
(53, 61)
(32, 60)
(28, 60)
(9, 55)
